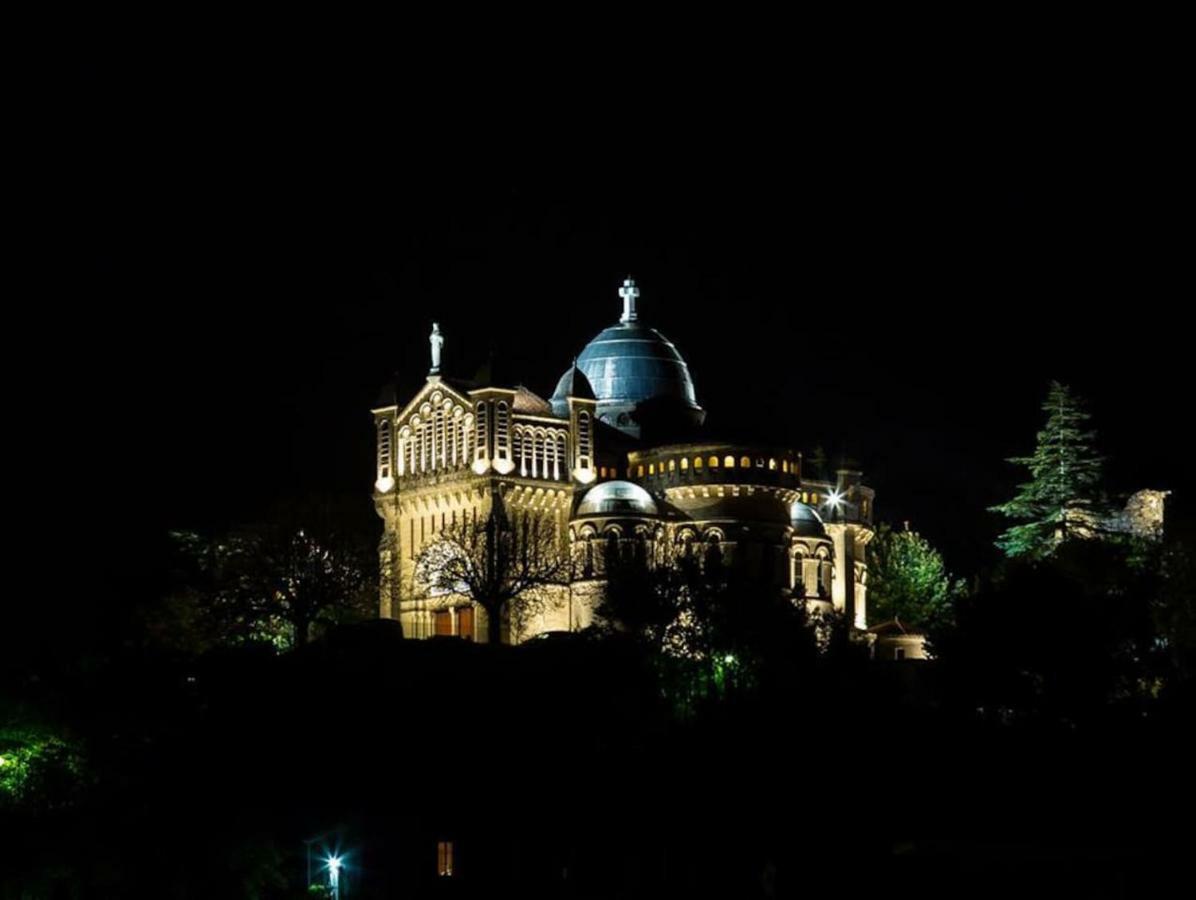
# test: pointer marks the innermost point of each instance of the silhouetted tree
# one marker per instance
(274, 582)
(1060, 500)
(720, 623)
(1061, 638)
(506, 566)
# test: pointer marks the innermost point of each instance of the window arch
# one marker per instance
(406, 451)
(729, 462)
(745, 462)
(517, 448)
(697, 462)
(384, 449)
(502, 434)
(713, 462)
(583, 439)
(481, 445)
(685, 463)
(438, 441)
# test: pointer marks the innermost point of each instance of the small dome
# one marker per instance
(572, 384)
(806, 521)
(617, 498)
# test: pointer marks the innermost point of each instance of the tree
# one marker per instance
(1060, 501)
(908, 580)
(275, 582)
(712, 626)
(506, 567)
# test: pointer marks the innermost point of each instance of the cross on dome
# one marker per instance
(630, 293)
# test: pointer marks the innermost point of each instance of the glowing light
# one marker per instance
(3, 762)
(729, 659)
(384, 484)
(834, 499)
(585, 476)
(334, 863)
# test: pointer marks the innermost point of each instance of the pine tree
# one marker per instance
(1060, 501)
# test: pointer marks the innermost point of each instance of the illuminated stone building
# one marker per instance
(618, 460)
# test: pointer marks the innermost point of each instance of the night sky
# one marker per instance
(893, 271)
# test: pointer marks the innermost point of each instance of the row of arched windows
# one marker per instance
(435, 438)
(541, 453)
(712, 462)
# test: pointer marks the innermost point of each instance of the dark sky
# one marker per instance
(893, 270)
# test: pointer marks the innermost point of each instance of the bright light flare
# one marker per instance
(834, 500)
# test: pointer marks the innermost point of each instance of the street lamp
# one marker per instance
(334, 876)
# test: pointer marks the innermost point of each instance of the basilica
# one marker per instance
(617, 457)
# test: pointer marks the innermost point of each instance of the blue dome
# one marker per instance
(572, 384)
(629, 363)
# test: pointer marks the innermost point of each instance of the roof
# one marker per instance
(806, 521)
(630, 362)
(572, 384)
(615, 498)
(529, 402)
(893, 627)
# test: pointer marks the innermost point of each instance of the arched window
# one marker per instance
(651, 468)
(517, 444)
(697, 462)
(729, 462)
(384, 449)
(409, 451)
(611, 551)
(502, 433)
(745, 463)
(482, 446)
(685, 463)
(438, 453)
(713, 462)
(785, 465)
(713, 554)
(672, 465)
(584, 452)
(772, 465)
